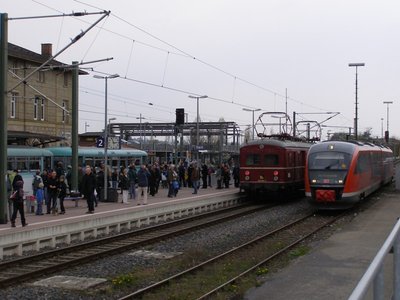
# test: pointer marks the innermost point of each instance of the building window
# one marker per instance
(41, 76)
(64, 113)
(15, 68)
(65, 79)
(13, 105)
(35, 108)
(42, 108)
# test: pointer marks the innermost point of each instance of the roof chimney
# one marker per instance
(47, 50)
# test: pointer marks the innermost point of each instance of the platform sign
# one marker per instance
(100, 142)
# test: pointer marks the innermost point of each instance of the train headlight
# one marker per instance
(340, 181)
(275, 178)
(247, 178)
(314, 181)
(247, 173)
(261, 177)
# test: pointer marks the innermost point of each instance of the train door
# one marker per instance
(290, 174)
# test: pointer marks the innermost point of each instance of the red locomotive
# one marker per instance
(273, 164)
(340, 174)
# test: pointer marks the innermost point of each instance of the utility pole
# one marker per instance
(3, 119)
(74, 108)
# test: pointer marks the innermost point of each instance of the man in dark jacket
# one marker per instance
(132, 176)
(143, 176)
(204, 174)
(88, 186)
(18, 203)
(52, 190)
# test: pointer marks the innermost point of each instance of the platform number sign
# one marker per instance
(100, 142)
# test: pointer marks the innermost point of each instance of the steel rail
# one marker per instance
(152, 287)
(29, 267)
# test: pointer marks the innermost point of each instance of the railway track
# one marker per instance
(288, 236)
(31, 267)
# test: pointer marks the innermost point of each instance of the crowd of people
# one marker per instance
(51, 187)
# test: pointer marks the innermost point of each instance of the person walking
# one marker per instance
(88, 186)
(125, 185)
(143, 183)
(195, 177)
(18, 203)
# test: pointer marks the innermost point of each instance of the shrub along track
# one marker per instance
(218, 273)
(34, 266)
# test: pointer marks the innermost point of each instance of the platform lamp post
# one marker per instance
(140, 129)
(382, 129)
(356, 112)
(387, 119)
(197, 123)
(252, 110)
(105, 129)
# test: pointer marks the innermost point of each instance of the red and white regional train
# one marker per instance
(272, 165)
(340, 174)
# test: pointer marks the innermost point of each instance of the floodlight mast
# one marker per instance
(356, 103)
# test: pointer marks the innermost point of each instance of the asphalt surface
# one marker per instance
(334, 266)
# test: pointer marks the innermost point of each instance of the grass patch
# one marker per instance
(299, 251)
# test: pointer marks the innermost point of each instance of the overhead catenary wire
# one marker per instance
(188, 55)
(283, 96)
(74, 40)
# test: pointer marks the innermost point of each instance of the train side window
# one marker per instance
(252, 159)
(271, 160)
(363, 163)
(290, 159)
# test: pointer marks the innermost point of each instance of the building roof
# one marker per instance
(25, 54)
(28, 55)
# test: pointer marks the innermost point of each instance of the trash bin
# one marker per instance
(112, 195)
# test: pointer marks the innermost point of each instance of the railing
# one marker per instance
(375, 272)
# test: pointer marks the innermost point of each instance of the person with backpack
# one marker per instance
(18, 203)
(37, 179)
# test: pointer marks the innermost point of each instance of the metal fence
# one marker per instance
(375, 273)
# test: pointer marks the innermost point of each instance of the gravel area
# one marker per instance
(211, 240)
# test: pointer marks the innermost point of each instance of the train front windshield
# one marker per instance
(328, 167)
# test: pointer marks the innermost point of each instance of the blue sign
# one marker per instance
(100, 142)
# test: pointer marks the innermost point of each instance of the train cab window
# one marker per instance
(252, 159)
(329, 161)
(271, 160)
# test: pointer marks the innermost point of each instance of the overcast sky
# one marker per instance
(239, 53)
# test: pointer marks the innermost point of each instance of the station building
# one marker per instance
(35, 108)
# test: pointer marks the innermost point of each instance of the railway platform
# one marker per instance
(50, 230)
(333, 267)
